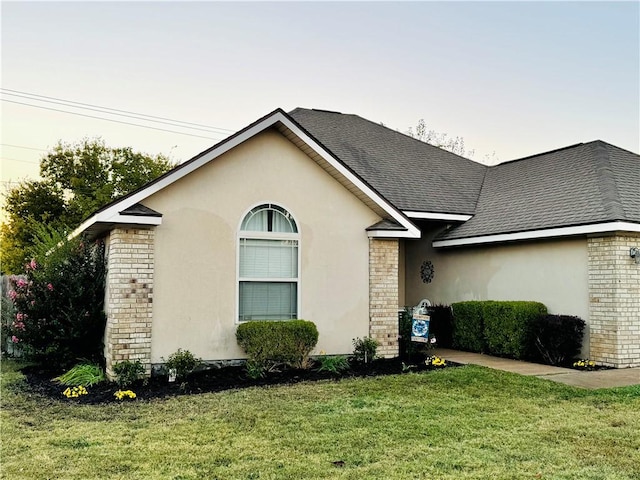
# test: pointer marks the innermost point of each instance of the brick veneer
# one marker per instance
(614, 300)
(129, 297)
(383, 294)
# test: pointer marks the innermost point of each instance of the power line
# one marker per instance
(105, 110)
(56, 100)
(22, 146)
(108, 119)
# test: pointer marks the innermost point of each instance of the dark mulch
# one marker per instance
(40, 382)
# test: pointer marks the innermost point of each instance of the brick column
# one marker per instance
(614, 300)
(383, 295)
(129, 297)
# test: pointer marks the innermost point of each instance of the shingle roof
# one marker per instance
(409, 173)
(583, 184)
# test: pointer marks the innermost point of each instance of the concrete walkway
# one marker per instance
(620, 377)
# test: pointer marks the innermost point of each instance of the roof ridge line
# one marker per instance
(607, 183)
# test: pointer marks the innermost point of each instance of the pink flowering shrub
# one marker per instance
(58, 306)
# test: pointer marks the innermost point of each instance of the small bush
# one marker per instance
(364, 349)
(334, 364)
(128, 372)
(557, 338)
(268, 344)
(468, 326)
(183, 361)
(85, 375)
(508, 327)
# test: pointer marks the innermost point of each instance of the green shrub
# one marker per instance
(85, 374)
(558, 338)
(268, 344)
(58, 305)
(334, 364)
(364, 349)
(183, 361)
(468, 327)
(128, 372)
(508, 327)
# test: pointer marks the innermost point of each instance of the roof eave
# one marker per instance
(605, 227)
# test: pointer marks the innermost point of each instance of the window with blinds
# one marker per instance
(268, 265)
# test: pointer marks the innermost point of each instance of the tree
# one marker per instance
(76, 180)
(441, 140)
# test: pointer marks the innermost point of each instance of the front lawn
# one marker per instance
(467, 422)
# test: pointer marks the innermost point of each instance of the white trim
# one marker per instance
(535, 234)
(387, 234)
(456, 217)
(137, 220)
(225, 146)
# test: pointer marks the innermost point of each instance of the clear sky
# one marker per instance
(517, 78)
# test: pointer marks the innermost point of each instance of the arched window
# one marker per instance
(268, 265)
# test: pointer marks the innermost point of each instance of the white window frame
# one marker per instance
(243, 234)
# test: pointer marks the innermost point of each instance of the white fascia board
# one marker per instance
(455, 217)
(113, 210)
(537, 234)
(137, 220)
(389, 234)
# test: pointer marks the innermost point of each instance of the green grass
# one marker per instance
(461, 423)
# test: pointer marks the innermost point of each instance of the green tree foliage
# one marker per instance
(76, 180)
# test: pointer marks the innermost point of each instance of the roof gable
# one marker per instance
(116, 211)
(585, 184)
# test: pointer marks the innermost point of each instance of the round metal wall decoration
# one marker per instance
(426, 271)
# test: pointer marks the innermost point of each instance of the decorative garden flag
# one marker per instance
(420, 328)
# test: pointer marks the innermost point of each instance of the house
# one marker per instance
(332, 218)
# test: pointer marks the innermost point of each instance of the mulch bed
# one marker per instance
(213, 380)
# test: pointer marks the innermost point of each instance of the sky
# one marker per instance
(514, 78)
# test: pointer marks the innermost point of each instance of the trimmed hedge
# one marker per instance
(468, 326)
(508, 327)
(557, 338)
(504, 329)
(271, 343)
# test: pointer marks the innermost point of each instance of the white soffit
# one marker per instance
(538, 234)
(111, 214)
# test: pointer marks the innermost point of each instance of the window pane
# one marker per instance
(268, 258)
(269, 218)
(268, 300)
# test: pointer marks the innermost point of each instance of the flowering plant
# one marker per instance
(122, 394)
(435, 361)
(57, 306)
(585, 364)
(75, 392)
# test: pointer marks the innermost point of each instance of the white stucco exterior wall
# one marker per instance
(553, 272)
(195, 285)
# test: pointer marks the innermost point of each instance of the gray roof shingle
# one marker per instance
(578, 185)
(411, 174)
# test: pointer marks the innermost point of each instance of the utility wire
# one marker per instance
(104, 110)
(9, 91)
(108, 119)
(22, 146)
